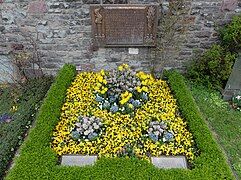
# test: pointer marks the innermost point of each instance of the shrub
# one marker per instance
(213, 67)
(231, 34)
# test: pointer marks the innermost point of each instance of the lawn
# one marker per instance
(224, 122)
(19, 106)
(38, 160)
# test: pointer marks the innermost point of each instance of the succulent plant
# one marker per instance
(87, 128)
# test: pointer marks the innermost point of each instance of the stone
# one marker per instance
(234, 82)
(7, 70)
(42, 29)
(62, 33)
(37, 7)
(8, 17)
(168, 162)
(44, 23)
(78, 160)
(47, 41)
(2, 28)
(203, 34)
(229, 5)
(238, 10)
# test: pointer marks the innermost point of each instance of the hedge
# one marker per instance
(38, 161)
(12, 134)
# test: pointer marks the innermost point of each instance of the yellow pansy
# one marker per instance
(121, 129)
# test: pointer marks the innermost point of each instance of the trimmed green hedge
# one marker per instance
(38, 161)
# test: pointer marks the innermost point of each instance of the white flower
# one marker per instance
(238, 97)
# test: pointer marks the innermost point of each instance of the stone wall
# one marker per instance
(62, 32)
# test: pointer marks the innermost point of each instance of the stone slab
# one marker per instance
(234, 82)
(168, 162)
(78, 160)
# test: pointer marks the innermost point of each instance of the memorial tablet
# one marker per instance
(124, 25)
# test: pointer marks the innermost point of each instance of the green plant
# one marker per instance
(38, 161)
(231, 34)
(13, 132)
(224, 122)
(212, 68)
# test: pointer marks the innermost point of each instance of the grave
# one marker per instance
(233, 85)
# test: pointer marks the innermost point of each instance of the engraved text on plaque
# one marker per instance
(124, 25)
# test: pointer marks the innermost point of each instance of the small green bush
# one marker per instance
(213, 67)
(231, 34)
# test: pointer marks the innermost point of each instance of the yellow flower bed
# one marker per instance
(121, 129)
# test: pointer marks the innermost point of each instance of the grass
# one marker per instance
(27, 100)
(38, 161)
(224, 122)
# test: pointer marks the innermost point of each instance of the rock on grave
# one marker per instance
(167, 162)
(78, 160)
(233, 85)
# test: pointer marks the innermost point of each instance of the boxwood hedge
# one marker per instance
(38, 161)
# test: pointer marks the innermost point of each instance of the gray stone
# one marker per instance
(62, 34)
(234, 82)
(168, 162)
(43, 23)
(7, 70)
(37, 7)
(47, 41)
(2, 28)
(78, 160)
(8, 17)
(203, 34)
(238, 10)
(229, 5)
(43, 29)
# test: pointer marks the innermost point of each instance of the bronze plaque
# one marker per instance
(124, 25)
